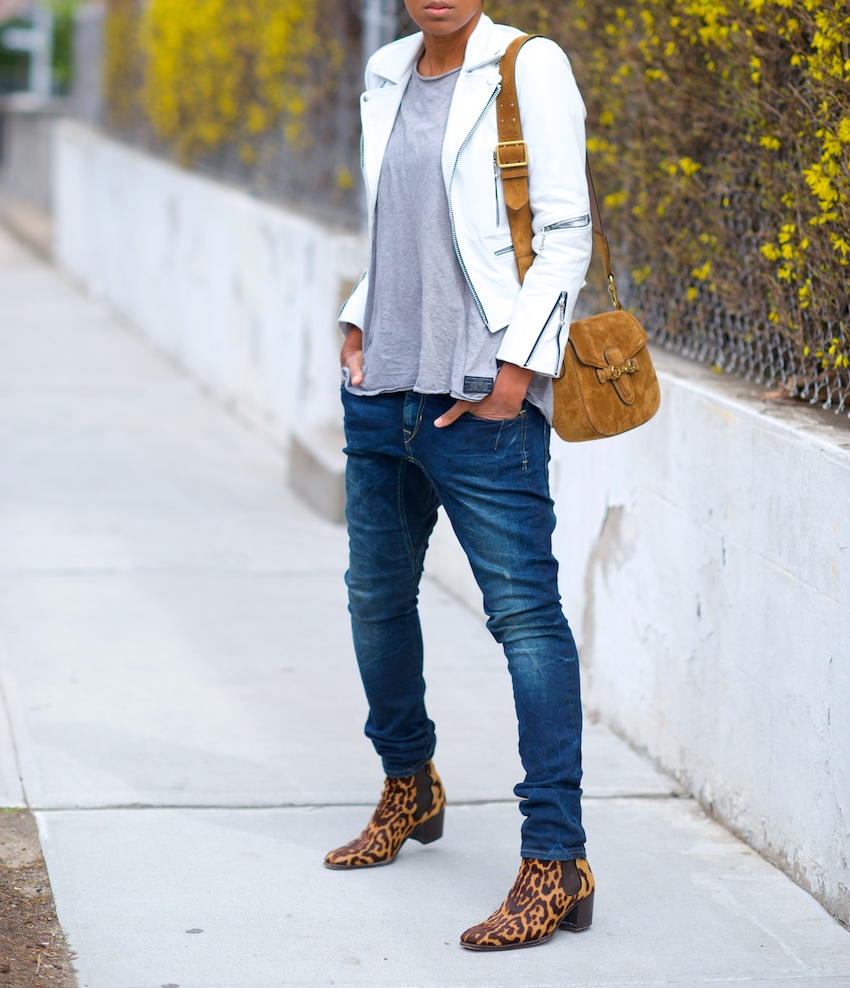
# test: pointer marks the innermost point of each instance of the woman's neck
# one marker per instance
(444, 53)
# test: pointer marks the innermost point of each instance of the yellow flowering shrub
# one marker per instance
(254, 91)
(720, 130)
(221, 71)
(207, 73)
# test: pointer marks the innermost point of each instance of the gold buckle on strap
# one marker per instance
(512, 164)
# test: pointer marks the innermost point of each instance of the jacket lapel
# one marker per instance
(479, 78)
(393, 66)
(472, 93)
(378, 110)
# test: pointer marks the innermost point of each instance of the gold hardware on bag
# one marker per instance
(612, 291)
(512, 164)
(614, 373)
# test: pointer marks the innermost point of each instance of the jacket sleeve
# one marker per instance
(553, 116)
(354, 308)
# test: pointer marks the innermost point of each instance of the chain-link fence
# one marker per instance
(319, 173)
(736, 335)
(735, 343)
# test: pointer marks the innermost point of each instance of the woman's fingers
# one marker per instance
(354, 363)
(453, 414)
(351, 355)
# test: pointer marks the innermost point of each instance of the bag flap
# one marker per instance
(606, 338)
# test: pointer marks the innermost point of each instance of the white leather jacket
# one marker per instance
(536, 314)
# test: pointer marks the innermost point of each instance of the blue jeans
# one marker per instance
(492, 480)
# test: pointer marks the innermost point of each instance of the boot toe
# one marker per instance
(473, 936)
(478, 938)
(348, 857)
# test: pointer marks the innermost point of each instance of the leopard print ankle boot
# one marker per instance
(546, 896)
(412, 806)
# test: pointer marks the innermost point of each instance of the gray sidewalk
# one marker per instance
(183, 712)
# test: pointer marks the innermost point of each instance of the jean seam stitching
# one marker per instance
(499, 435)
(523, 440)
(419, 413)
(420, 559)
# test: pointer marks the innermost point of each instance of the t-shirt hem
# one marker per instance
(542, 406)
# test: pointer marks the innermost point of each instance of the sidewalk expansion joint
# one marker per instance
(109, 571)
(313, 805)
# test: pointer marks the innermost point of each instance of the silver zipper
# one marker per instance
(562, 304)
(475, 126)
(561, 321)
(504, 250)
(572, 224)
(496, 189)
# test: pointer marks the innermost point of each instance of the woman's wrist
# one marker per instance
(512, 382)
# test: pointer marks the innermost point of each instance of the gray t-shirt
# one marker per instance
(422, 330)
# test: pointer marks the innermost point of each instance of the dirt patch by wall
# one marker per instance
(33, 949)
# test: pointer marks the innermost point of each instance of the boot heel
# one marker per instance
(580, 916)
(430, 830)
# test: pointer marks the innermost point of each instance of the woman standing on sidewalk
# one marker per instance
(447, 366)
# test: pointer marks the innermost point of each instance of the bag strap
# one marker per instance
(511, 157)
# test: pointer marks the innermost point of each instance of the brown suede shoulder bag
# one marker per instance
(608, 384)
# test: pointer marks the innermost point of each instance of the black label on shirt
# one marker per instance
(478, 385)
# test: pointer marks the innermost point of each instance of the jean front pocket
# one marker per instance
(504, 431)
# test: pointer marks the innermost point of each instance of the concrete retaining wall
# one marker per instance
(25, 170)
(705, 557)
(707, 563)
(243, 294)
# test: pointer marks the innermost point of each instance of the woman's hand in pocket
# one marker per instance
(503, 402)
(351, 355)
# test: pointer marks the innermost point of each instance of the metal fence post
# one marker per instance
(379, 25)
(37, 42)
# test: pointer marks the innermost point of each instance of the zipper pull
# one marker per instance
(496, 188)
(562, 301)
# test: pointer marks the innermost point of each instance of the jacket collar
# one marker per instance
(486, 45)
